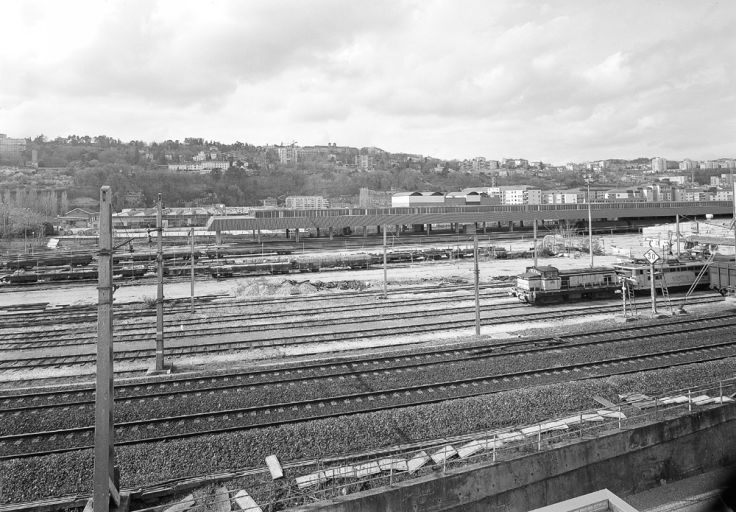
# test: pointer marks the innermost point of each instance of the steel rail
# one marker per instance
(359, 398)
(21, 336)
(438, 325)
(281, 376)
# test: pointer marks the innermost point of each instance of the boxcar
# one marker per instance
(723, 276)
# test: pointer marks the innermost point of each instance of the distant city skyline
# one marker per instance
(559, 82)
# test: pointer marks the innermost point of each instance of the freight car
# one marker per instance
(225, 252)
(547, 284)
(317, 263)
(150, 256)
(278, 267)
(42, 260)
(722, 273)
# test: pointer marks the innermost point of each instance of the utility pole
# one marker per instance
(733, 197)
(105, 483)
(385, 277)
(590, 224)
(191, 259)
(160, 291)
(476, 272)
(653, 290)
(535, 243)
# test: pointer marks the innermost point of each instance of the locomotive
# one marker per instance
(547, 284)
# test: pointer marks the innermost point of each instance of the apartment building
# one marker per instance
(574, 196)
(659, 164)
(11, 148)
(365, 162)
(688, 165)
(200, 167)
(306, 202)
(623, 195)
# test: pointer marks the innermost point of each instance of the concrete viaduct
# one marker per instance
(334, 220)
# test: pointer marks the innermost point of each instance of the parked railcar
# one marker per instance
(722, 274)
(152, 255)
(245, 269)
(674, 274)
(71, 274)
(20, 277)
(548, 284)
(43, 260)
(317, 263)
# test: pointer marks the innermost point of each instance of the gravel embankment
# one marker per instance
(34, 478)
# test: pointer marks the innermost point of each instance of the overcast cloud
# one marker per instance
(557, 81)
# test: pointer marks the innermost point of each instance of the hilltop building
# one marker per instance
(11, 148)
(659, 164)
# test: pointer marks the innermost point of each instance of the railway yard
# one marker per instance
(348, 387)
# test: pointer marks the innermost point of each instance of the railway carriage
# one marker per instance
(674, 274)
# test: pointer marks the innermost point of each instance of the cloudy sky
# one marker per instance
(558, 81)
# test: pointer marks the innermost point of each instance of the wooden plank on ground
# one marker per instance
(222, 499)
(391, 463)
(416, 462)
(605, 403)
(51, 505)
(245, 502)
(444, 453)
(183, 505)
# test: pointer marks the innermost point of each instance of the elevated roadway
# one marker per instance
(502, 215)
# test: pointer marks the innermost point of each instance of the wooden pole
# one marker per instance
(160, 290)
(105, 485)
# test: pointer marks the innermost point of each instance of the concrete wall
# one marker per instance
(626, 462)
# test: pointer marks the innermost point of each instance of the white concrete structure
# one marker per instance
(306, 202)
(659, 164)
(409, 199)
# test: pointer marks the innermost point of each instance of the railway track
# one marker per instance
(234, 323)
(393, 396)
(280, 336)
(40, 314)
(12, 401)
(38, 323)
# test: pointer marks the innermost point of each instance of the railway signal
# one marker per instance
(652, 257)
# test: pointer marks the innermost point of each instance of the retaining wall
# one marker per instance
(625, 462)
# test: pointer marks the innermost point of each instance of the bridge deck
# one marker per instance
(357, 217)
